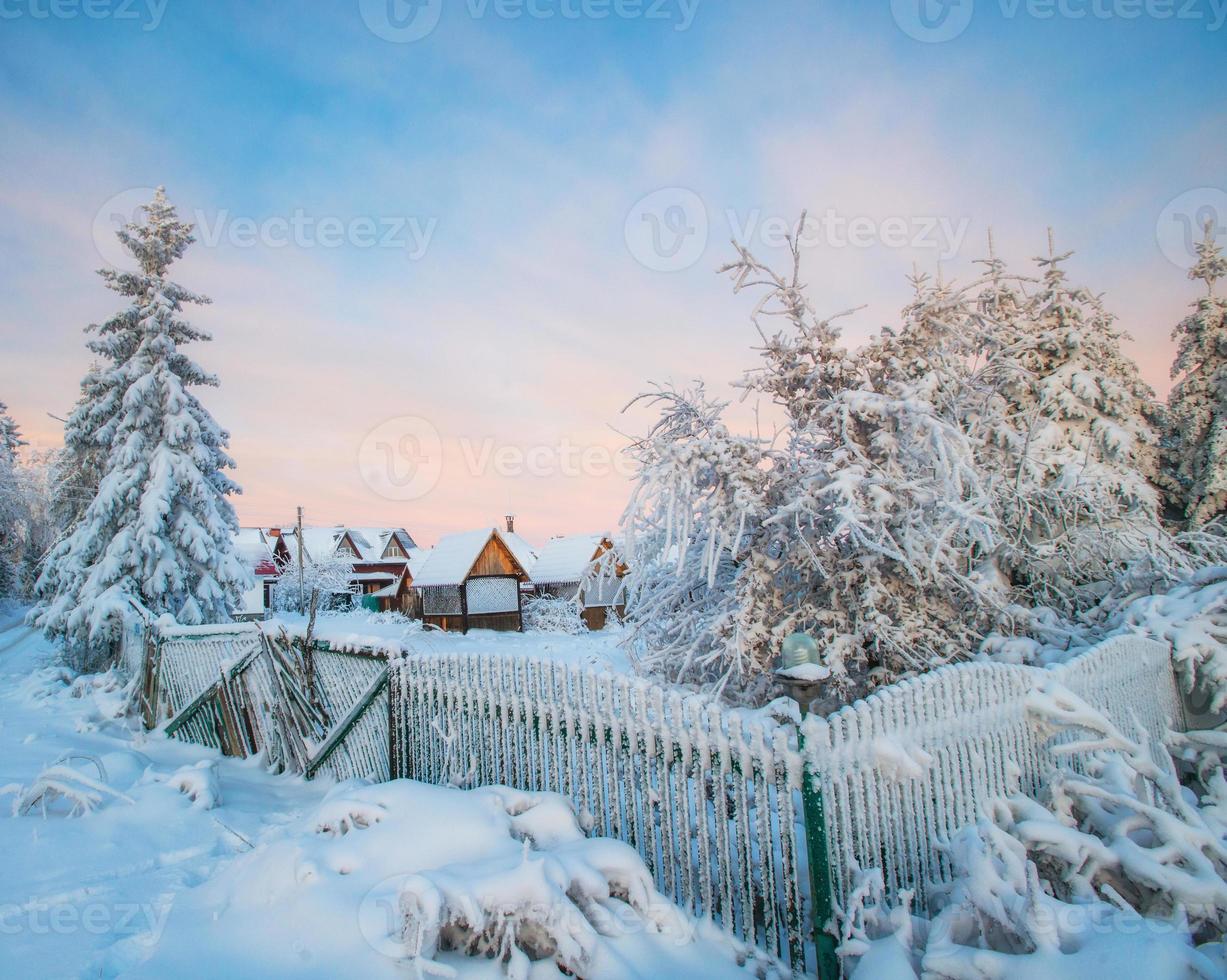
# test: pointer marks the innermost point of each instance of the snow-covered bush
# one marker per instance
(1117, 861)
(437, 875)
(553, 614)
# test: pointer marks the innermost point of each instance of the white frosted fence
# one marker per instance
(755, 826)
(191, 658)
(914, 762)
(238, 690)
(712, 804)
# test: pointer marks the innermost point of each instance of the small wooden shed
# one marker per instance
(473, 581)
(583, 567)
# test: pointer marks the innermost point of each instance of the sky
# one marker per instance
(447, 243)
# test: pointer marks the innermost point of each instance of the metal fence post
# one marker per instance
(819, 865)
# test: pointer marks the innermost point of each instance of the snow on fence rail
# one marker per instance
(757, 826)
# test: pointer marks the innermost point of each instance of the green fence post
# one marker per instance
(819, 865)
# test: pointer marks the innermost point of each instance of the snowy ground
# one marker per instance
(600, 649)
(269, 875)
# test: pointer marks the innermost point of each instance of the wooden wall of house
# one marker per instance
(496, 559)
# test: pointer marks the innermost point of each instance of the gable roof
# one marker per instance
(450, 561)
(369, 541)
(567, 558)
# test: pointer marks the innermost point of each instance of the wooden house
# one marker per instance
(475, 580)
(381, 558)
(258, 552)
(582, 567)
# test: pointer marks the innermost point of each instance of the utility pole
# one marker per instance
(298, 534)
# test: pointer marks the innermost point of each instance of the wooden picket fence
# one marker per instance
(757, 826)
(245, 691)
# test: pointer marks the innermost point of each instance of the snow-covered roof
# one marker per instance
(449, 562)
(251, 545)
(369, 541)
(566, 559)
(317, 542)
(417, 558)
(525, 554)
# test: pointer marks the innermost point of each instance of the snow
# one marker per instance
(190, 864)
(566, 559)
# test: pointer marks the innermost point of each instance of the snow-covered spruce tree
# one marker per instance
(1074, 487)
(11, 504)
(863, 522)
(159, 534)
(1195, 447)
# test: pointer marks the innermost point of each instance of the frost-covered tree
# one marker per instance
(159, 533)
(1195, 449)
(325, 583)
(689, 524)
(863, 522)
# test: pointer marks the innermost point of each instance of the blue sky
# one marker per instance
(504, 160)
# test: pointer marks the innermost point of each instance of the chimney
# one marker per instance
(511, 523)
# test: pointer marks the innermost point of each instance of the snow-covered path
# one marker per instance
(90, 896)
(243, 882)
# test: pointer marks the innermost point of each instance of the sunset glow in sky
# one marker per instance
(442, 265)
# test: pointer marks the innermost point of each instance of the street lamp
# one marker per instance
(799, 669)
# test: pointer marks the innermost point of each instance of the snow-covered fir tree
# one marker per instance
(159, 533)
(11, 504)
(1195, 447)
(10, 435)
(1076, 499)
